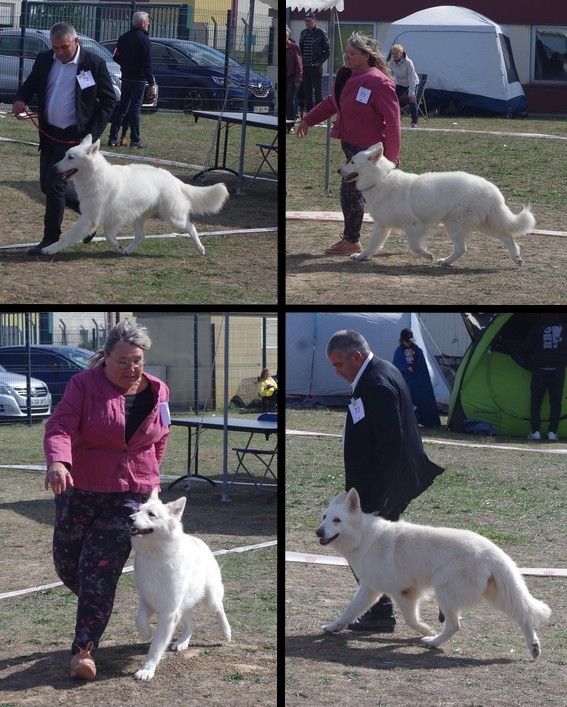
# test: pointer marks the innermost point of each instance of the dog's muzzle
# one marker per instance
(320, 533)
(68, 173)
(349, 177)
(140, 531)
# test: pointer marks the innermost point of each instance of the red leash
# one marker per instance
(32, 117)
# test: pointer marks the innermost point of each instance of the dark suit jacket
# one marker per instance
(94, 104)
(383, 452)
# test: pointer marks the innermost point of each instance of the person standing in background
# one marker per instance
(315, 48)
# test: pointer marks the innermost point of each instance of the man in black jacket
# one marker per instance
(75, 98)
(383, 452)
(133, 53)
(315, 48)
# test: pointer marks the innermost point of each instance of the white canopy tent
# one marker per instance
(334, 6)
(309, 376)
(467, 58)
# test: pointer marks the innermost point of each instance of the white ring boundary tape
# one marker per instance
(142, 158)
(204, 234)
(504, 447)
(303, 557)
(338, 216)
(130, 568)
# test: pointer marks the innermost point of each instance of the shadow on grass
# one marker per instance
(384, 653)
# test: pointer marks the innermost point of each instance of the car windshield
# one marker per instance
(79, 356)
(203, 55)
(94, 47)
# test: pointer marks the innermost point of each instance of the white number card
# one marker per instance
(85, 79)
(363, 94)
(356, 410)
(164, 414)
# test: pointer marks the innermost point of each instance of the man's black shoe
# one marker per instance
(376, 624)
(112, 143)
(36, 249)
(140, 145)
(88, 239)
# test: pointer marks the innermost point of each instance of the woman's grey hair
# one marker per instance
(128, 331)
(346, 341)
(63, 29)
(137, 18)
(369, 46)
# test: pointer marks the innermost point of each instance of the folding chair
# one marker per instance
(266, 151)
(419, 98)
(265, 457)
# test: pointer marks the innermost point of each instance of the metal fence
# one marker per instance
(189, 76)
(41, 351)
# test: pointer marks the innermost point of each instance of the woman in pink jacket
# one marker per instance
(103, 445)
(367, 112)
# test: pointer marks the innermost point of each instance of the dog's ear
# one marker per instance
(376, 151)
(87, 140)
(176, 508)
(93, 149)
(340, 497)
(154, 493)
(352, 500)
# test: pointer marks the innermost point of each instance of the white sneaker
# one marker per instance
(534, 436)
(552, 437)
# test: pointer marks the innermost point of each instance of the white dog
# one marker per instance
(408, 561)
(114, 196)
(173, 572)
(462, 202)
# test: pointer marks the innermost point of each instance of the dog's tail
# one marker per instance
(507, 590)
(502, 220)
(206, 200)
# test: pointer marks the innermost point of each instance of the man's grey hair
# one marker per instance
(137, 18)
(63, 29)
(128, 331)
(346, 341)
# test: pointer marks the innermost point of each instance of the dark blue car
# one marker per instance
(190, 75)
(54, 365)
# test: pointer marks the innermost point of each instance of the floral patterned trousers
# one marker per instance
(91, 543)
(352, 201)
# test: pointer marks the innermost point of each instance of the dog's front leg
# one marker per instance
(376, 242)
(361, 601)
(162, 637)
(76, 233)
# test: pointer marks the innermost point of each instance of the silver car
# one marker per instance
(13, 396)
(35, 41)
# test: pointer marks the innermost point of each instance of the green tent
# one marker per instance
(492, 383)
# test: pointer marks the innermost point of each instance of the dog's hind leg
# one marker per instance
(185, 226)
(408, 602)
(415, 234)
(361, 602)
(458, 235)
(450, 627)
(376, 242)
(214, 600)
(187, 626)
(162, 637)
(138, 237)
(513, 249)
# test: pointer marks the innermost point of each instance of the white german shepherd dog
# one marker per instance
(114, 196)
(409, 561)
(413, 202)
(173, 572)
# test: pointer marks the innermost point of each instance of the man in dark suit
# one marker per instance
(75, 98)
(383, 452)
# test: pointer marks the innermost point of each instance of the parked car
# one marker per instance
(190, 75)
(53, 364)
(35, 41)
(14, 396)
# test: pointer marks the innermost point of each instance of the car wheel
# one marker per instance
(193, 101)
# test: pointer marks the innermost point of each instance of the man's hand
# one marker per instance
(19, 107)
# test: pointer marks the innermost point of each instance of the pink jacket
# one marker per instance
(86, 432)
(368, 111)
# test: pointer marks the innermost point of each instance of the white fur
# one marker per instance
(409, 561)
(462, 202)
(114, 196)
(173, 572)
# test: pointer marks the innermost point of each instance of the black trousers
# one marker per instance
(312, 90)
(542, 381)
(58, 191)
